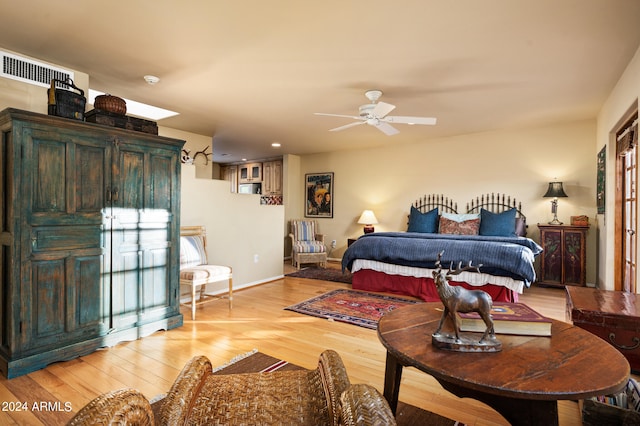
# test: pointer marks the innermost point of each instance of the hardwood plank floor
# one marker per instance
(258, 321)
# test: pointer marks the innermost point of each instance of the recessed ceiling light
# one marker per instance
(276, 145)
(138, 108)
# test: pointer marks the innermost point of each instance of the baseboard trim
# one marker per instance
(246, 285)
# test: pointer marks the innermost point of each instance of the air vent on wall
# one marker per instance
(31, 71)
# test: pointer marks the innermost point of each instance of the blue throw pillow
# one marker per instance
(423, 222)
(498, 224)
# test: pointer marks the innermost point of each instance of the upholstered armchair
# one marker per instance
(307, 245)
(195, 270)
(323, 396)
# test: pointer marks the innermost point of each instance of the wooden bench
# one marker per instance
(196, 271)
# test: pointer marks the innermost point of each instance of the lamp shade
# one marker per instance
(555, 190)
(367, 218)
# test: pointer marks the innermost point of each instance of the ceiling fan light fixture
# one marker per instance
(373, 95)
(376, 114)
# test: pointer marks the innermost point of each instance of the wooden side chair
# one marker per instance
(196, 271)
(307, 245)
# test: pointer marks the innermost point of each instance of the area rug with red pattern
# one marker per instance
(351, 306)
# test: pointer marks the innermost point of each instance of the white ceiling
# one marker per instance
(252, 72)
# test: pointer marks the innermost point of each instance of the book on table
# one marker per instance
(509, 318)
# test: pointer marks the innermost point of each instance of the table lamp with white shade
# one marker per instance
(368, 219)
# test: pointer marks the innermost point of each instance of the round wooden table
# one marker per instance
(523, 382)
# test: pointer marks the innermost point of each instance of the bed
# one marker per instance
(491, 232)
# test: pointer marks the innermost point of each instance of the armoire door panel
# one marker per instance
(48, 284)
(91, 171)
(161, 182)
(158, 219)
(66, 298)
(49, 180)
(127, 201)
(87, 304)
(125, 278)
(64, 178)
(47, 238)
(155, 278)
(129, 179)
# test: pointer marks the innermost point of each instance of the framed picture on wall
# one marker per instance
(319, 198)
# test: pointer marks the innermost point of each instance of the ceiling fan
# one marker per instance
(375, 114)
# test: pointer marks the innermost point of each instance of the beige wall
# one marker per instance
(238, 228)
(514, 162)
(622, 100)
(292, 186)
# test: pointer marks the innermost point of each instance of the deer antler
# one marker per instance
(460, 269)
(457, 271)
(438, 263)
(204, 153)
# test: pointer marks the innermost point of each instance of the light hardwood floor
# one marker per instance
(258, 321)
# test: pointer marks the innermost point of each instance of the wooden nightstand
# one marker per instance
(350, 241)
(564, 257)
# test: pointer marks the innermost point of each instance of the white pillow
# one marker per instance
(460, 217)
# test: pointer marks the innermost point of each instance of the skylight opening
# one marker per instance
(138, 108)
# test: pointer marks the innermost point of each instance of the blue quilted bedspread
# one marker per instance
(505, 256)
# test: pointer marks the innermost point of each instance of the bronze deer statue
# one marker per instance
(459, 299)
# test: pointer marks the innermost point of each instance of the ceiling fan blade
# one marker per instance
(387, 129)
(382, 109)
(410, 120)
(346, 126)
(355, 117)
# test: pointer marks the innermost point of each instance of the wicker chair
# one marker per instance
(307, 245)
(323, 396)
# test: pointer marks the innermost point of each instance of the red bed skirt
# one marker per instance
(422, 288)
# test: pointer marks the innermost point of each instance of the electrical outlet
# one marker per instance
(256, 258)
(333, 243)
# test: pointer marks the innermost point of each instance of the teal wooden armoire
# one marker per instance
(89, 238)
